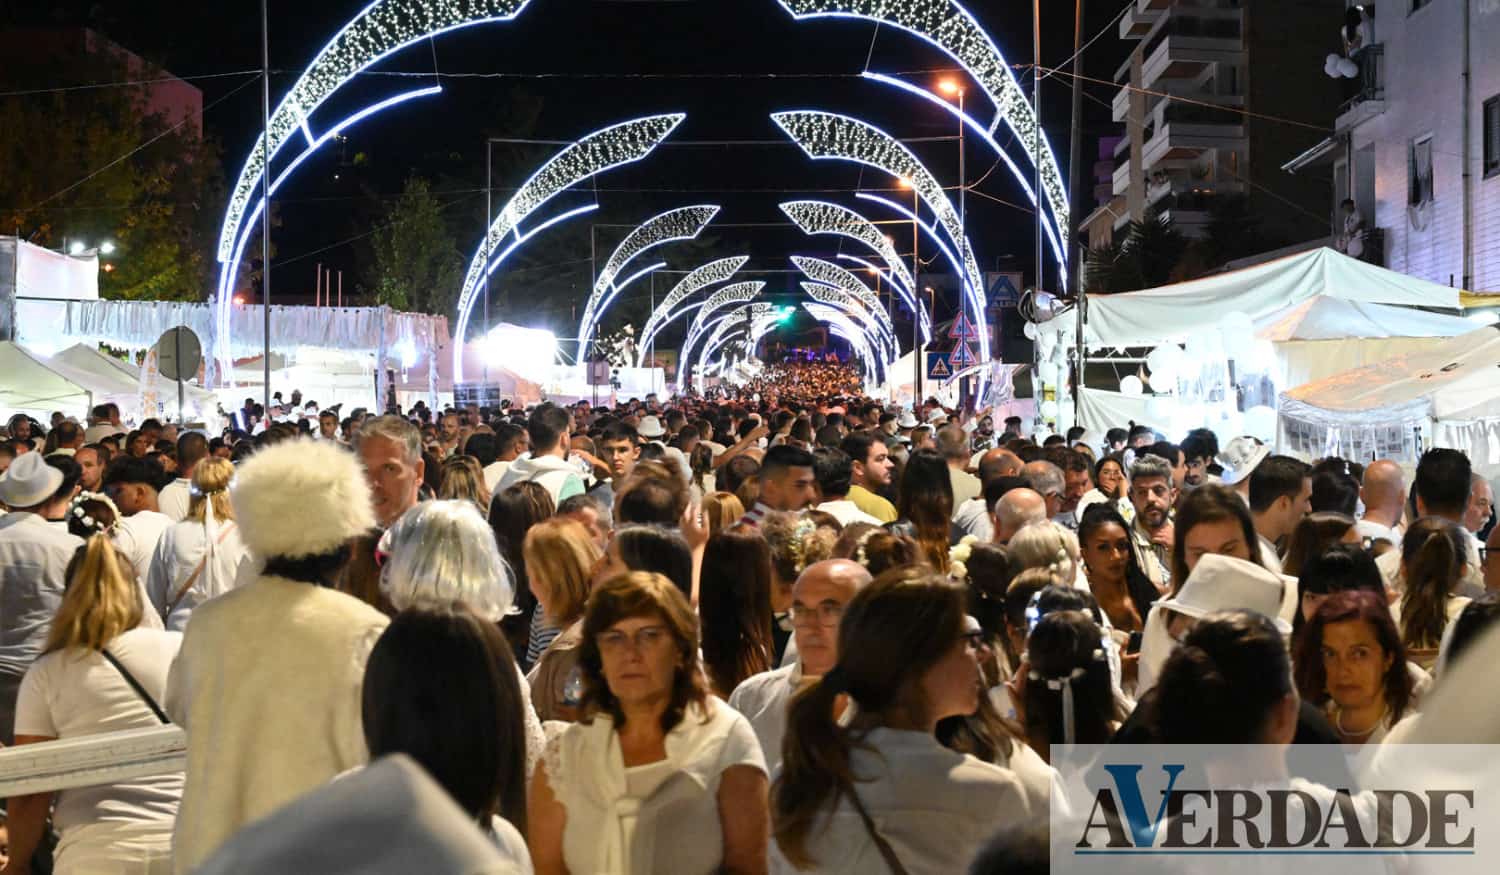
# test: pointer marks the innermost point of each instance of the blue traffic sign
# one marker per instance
(938, 367)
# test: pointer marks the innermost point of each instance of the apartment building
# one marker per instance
(1215, 97)
(1416, 145)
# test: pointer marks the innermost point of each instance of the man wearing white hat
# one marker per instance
(1218, 583)
(34, 556)
(267, 683)
(1239, 461)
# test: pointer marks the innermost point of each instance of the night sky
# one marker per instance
(576, 65)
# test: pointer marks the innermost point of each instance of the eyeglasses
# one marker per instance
(643, 639)
(825, 614)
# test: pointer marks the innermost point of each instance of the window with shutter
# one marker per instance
(1419, 171)
(1492, 137)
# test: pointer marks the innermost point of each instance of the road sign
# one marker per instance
(963, 329)
(962, 356)
(1003, 291)
(178, 354)
(938, 367)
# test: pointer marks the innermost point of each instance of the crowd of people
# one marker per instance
(791, 630)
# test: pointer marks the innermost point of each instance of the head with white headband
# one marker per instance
(1066, 695)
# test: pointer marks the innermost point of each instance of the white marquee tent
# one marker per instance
(31, 384)
(1445, 397)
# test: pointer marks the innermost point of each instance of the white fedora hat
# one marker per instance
(1240, 458)
(29, 481)
(1222, 583)
(650, 427)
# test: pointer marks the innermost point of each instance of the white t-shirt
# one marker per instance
(175, 498)
(137, 535)
(178, 553)
(70, 693)
(493, 472)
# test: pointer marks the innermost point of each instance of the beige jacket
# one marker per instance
(549, 677)
(267, 685)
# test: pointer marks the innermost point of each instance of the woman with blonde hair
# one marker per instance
(560, 555)
(99, 673)
(202, 556)
(1046, 545)
(721, 510)
(464, 479)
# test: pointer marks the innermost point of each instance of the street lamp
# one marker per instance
(76, 248)
(952, 88)
(107, 247)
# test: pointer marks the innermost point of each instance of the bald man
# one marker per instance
(973, 516)
(818, 600)
(1384, 495)
(1016, 510)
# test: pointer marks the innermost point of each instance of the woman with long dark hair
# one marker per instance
(1314, 534)
(734, 608)
(513, 511)
(907, 662)
(1229, 682)
(1351, 662)
(1211, 519)
(441, 687)
(1065, 661)
(924, 506)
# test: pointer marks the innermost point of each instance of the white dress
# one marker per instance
(109, 828)
(178, 553)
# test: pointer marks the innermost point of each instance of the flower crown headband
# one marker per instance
(75, 509)
(797, 544)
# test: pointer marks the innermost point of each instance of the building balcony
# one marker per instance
(1181, 141)
(1120, 181)
(1120, 106)
(1142, 16)
(1178, 58)
(1369, 100)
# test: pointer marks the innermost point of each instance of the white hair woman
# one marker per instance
(202, 556)
(99, 673)
(1046, 545)
(442, 552)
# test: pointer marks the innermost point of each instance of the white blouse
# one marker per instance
(178, 553)
(662, 817)
(934, 806)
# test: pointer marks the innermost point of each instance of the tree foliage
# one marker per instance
(417, 266)
(1146, 256)
(95, 165)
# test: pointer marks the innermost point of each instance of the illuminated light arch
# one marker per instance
(829, 274)
(701, 278)
(950, 27)
(381, 29)
(738, 293)
(822, 217)
(825, 135)
(684, 223)
(932, 232)
(1049, 223)
(602, 150)
(223, 296)
(737, 319)
(836, 318)
(882, 339)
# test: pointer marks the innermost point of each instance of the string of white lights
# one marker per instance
(737, 293)
(701, 278)
(595, 153)
(684, 223)
(881, 338)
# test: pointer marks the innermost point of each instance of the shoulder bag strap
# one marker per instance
(136, 685)
(886, 851)
(193, 578)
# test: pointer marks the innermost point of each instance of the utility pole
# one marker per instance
(489, 212)
(265, 196)
(1072, 245)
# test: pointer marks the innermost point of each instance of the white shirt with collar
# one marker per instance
(675, 826)
(846, 512)
(763, 699)
(34, 557)
(934, 806)
(174, 498)
(973, 516)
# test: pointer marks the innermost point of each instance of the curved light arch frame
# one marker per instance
(683, 223)
(856, 342)
(736, 293)
(827, 273)
(824, 217)
(604, 149)
(381, 29)
(836, 297)
(954, 30)
(702, 277)
(740, 317)
(825, 135)
(833, 316)
(1049, 222)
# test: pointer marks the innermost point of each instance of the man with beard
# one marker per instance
(1151, 494)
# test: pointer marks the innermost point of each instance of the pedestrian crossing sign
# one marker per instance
(938, 367)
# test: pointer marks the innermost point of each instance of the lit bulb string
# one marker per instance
(880, 332)
(890, 277)
(228, 269)
(738, 293)
(826, 273)
(381, 29)
(700, 278)
(602, 150)
(830, 136)
(860, 350)
(825, 217)
(948, 26)
(1049, 227)
(684, 223)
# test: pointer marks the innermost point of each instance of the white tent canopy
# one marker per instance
(1263, 292)
(31, 384)
(1448, 396)
(1325, 335)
